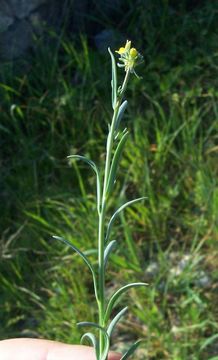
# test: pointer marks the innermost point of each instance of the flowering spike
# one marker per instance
(129, 57)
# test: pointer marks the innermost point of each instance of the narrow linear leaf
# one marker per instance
(92, 324)
(121, 111)
(92, 339)
(110, 247)
(125, 264)
(85, 259)
(116, 296)
(106, 348)
(115, 321)
(3, 128)
(131, 350)
(121, 208)
(209, 341)
(9, 89)
(120, 65)
(39, 219)
(114, 79)
(94, 167)
(131, 244)
(90, 252)
(107, 340)
(115, 162)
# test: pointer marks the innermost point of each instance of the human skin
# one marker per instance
(36, 349)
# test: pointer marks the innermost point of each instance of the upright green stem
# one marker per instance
(101, 234)
(101, 228)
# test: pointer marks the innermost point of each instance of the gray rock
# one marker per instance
(5, 22)
(5, 8)
(203, 280)
(15, 27)
(152, 269)
(16, 40)
(22, 8)
(6, 16)
(21, 20)
(185, 261)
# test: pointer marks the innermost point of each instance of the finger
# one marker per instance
(69, 352)
(36, 349)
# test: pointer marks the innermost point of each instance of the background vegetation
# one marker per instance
(58, 103)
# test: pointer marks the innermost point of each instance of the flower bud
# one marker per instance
(133, 53)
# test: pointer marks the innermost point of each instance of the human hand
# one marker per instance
(36, 349)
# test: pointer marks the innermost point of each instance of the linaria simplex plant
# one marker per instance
(116, 140)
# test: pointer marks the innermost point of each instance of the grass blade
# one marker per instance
(208, 341)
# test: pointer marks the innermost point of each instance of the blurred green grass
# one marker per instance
(60, 105)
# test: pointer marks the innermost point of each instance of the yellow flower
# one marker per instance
(129, 57)
(125, 49)
(121, 50)
(133, 53)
